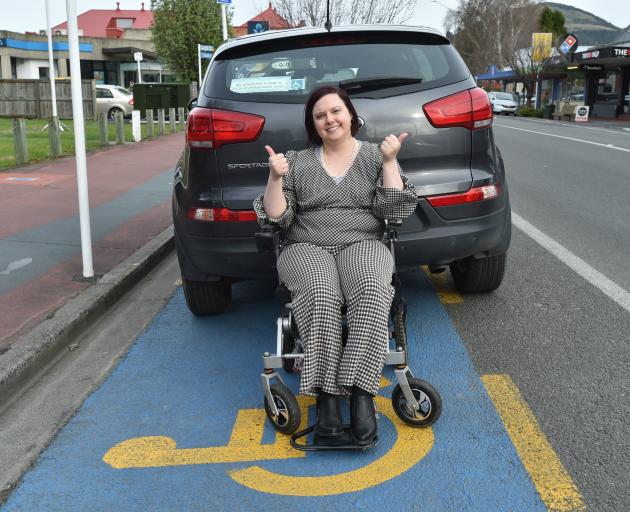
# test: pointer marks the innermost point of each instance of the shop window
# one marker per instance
(608, 88)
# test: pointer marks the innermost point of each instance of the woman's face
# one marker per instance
(332, 119)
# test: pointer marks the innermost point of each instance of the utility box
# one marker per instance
(157, 96)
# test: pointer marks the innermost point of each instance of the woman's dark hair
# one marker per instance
(315, 96)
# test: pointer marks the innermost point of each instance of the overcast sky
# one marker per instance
(30, 15)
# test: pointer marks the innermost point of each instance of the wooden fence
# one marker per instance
(31, 99)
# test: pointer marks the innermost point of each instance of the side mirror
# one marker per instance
(192, 104)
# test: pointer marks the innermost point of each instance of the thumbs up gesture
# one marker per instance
(391, 146)
(278, 165)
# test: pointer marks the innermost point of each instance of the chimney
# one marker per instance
(118, 6)
(142, 6)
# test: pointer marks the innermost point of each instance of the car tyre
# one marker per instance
(483, 275)
(113, 112)
(207, 298)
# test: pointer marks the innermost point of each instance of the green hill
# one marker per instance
(589, 29)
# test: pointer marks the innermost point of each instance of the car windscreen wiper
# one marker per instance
(377, 82)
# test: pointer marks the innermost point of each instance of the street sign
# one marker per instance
(256, 27)
(206, 51)
(226, 2)
(581, 114)
(137, 56)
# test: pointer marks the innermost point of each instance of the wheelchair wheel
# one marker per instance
(427, 398)
(288, 419)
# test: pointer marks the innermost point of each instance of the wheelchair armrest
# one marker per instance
(268, 238)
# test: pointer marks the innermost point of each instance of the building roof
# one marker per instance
(104, 22)
(276, 22)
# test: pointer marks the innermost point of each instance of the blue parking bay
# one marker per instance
(179, 425)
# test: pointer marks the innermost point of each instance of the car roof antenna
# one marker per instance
(328, 24)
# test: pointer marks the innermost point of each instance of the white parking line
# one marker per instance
(607, 146)
(597, 279)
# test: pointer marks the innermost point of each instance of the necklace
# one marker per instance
(355, 150)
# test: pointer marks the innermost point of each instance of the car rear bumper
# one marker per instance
(204, 257)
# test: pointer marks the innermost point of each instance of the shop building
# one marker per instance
(107, 41)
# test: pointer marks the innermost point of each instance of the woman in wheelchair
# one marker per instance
(331, 200)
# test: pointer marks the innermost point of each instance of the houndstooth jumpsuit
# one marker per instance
(334, 254)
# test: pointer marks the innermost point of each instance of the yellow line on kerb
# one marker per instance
(553, 483)
(444, 287)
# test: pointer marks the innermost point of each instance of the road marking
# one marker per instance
(245, 445)
(412, 445)
(607, 146)
(578, 265)
(553, 483)
(15, 265)
(444, 286)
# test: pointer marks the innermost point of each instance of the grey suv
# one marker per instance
(399, 78)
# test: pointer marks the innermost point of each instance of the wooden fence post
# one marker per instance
(120, 128)
(149, 118)
(54, 137)
(161, 121)
(171, 118)
(103, 128)
(182, 118)
(19, 141)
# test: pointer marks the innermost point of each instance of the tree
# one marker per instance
(552, 21)
(344, 12)
(499, 32)
(179, 26)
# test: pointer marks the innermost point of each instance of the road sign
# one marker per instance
(226, 2)
(137, 56)
(206, 51)
(255, 27)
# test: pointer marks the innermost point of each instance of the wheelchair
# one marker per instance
(414, 400)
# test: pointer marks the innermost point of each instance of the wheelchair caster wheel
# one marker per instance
(427, 398)
(288, 419)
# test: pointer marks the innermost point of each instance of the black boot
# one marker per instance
(362, 416)
(329, 429)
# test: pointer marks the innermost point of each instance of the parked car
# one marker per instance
(503, 103)
(112, 99)
(399, 79)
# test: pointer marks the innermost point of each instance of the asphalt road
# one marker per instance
(561, 339)
(550, 328)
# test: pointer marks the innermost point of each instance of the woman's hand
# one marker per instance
(391, 146)
(278, 165)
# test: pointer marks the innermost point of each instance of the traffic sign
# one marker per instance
(226, 2)
(137, 56)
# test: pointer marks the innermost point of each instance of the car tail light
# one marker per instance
(470, 109)
(210, 128)
(221, 215)
(471, 196)
(131, 101)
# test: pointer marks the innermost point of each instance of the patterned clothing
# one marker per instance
(334, 255)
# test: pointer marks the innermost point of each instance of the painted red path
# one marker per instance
(44, 193)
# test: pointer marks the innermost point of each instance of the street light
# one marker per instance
(447, 8)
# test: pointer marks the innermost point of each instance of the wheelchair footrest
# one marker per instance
(344, 442)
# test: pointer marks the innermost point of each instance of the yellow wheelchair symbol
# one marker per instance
(245, 445)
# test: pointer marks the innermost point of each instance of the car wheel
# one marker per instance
(472, 275)
(207, 298)
(113, 112)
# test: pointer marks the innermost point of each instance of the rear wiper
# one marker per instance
(377, 82)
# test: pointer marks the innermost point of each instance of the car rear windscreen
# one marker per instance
(287, 70)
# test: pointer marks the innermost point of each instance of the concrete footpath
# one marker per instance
(44, 298)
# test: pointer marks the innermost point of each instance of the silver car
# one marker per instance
(503, 103)
(112, 99)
